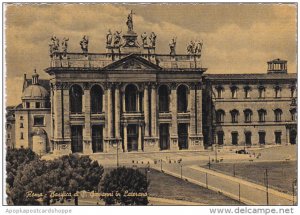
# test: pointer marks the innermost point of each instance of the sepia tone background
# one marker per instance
(238, 38)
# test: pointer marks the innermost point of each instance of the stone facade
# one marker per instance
(143, 79)
(252, 109)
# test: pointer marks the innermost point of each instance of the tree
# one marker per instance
(128, 186)
(68, 174)
(17, 158)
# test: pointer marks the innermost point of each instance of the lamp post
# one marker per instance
(181, 171)
(267, 186)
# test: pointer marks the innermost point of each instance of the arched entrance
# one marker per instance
(39, 141)
(293, 136)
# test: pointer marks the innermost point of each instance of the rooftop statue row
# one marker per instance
(128, 41)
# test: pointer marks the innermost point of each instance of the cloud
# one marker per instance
(237, 38)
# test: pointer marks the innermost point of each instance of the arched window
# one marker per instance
(234, 90)
(262, 115)
(96, 99)
(248, 115)
(182, 98)
(261, 92)
(220, 116)
(163, 94)
(131, 94)
(234, 116)
(247, 90)
(76, 99)
(293, 114)
(293, 90)
(220, 90)
(278, 113)
(277, 91)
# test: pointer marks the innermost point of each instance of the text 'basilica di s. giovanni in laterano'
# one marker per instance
(131, 99)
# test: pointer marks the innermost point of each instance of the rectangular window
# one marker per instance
(262, 137)
(261, 93)
(37, 105)
(278, 137)
(234, 137)
(247, 93)
(38, 120)
(277, 93)
(21, 125)
(27, 105)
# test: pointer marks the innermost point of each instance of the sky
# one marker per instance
(237, 38)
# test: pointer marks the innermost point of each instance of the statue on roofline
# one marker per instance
(53, 45)
(64, 44)
(84, 43)
(144, 39)
(129, 22)
(172, 45)
(109, 38)
(152, 39)
(117, 39)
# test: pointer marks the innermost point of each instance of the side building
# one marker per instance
(32, 116)
(251, 109)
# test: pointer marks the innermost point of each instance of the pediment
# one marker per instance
(132, 62)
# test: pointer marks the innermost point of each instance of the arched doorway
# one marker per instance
(131, 98)
(96, 99)
(293, 136)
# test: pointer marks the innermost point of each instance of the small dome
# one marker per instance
(35, 92)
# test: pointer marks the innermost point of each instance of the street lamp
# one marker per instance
(267, 186)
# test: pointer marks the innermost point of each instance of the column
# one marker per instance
(138, 108)
(57, 133)
(153, 111)
(140, 138)
(125, 137)
(174, 125)
(199, 109)
(117, 112)
(105, 107)
(87, 147)
(123, 101)
(191, 102)
(67, 128)
(146, 110)
(109, 113)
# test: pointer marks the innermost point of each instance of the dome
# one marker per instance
(35, 92)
